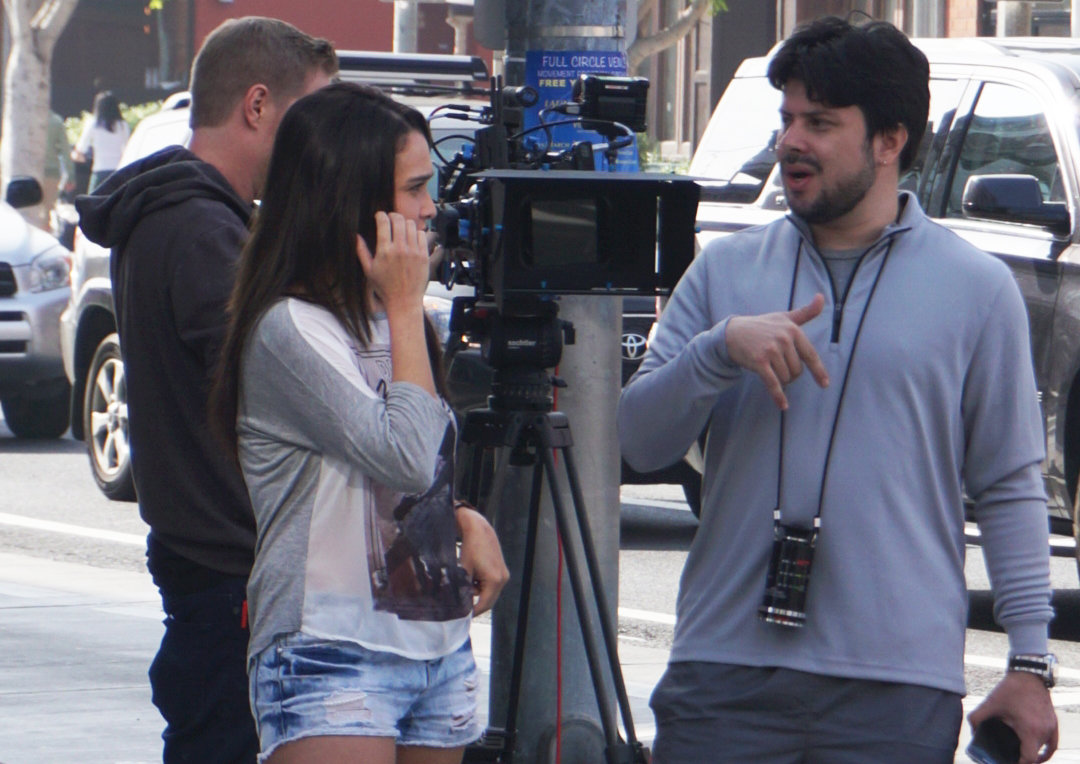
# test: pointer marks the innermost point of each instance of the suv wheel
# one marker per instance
(105, 422)
(38, 417)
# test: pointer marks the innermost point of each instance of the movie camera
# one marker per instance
(521, 221)
(531, 220)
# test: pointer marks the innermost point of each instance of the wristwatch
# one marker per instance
(1042, 666)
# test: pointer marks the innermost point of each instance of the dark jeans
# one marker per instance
(713, 713)
(199, 678)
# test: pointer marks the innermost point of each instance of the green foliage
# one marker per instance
(647, 148)
(653, 161)
(135, 113)
(73, 126)
(717, 6)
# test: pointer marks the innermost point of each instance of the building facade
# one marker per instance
(143, 55)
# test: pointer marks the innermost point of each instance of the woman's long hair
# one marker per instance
(331, 170)
(107, 110)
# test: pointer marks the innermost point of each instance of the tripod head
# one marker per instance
(520, 343)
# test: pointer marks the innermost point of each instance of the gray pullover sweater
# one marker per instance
(941, 398)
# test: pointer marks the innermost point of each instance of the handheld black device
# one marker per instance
(994, 742)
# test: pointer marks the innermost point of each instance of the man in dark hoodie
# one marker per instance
(176, 222)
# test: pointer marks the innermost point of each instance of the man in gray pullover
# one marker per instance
(822, 611)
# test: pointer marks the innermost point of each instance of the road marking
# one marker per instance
(72, 530)
(1062, 696)
(657, 503)
(647, 615)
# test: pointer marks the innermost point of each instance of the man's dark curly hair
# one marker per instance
(873, 66)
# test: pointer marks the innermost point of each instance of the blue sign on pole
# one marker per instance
(552, 73)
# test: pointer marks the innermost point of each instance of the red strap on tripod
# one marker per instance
(558, 615)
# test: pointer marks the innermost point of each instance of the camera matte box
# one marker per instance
(583, 232)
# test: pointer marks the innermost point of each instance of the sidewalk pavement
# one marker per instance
(76, 641)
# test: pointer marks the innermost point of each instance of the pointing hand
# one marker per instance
(774, 347)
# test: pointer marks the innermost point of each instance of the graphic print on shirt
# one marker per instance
(412, 539)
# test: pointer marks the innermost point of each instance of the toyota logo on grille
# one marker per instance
(633, 346)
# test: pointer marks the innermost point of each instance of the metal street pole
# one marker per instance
(406, 22)
(556, 676)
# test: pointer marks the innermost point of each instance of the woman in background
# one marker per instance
(329, 391)
(103, 139)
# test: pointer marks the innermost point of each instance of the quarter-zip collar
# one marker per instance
(909, 215)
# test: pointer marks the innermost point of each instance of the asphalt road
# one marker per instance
(50, 509)
(43, 482)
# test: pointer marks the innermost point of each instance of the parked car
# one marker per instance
(91, 347)
(999, 165)
(34, 288)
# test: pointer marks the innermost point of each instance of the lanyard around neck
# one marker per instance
(843, 385)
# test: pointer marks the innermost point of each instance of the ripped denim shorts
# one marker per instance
(303, 686)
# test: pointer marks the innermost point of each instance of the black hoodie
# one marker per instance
(176, 228)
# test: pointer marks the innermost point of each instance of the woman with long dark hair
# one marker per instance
(328, 389)
(102, 139)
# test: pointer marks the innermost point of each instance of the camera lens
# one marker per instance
(524, 95)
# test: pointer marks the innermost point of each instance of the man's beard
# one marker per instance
(832, 204)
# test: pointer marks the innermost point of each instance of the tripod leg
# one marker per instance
(523, 608)
(608, 628)
(573, 570)
(474, 475)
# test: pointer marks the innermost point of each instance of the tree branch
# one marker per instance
(643, 47)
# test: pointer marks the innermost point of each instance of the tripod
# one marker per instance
(534, 437)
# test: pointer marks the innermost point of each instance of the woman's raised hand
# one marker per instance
(398, 272)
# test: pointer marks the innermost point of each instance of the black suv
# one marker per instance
(999, 165)
(639, 314)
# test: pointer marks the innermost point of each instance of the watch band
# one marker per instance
(1043, 666)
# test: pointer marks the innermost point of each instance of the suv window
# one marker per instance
(1008, 134)
(944, 95)
(739, 154)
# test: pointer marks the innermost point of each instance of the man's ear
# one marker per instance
(889, 144)
(255, 102)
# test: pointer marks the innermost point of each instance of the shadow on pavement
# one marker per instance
(9, 444)
(656, 528)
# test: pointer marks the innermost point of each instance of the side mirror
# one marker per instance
(1014, 199)
(23, 191)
